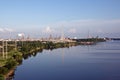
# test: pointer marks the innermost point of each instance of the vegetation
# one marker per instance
(1, 77)
(13, 59)
(90, 40)
(25, 49)
(28, 48)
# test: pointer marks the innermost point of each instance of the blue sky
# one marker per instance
(73, 17)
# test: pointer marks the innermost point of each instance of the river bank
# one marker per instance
(27, 48)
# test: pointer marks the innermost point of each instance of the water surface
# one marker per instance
(93, 62)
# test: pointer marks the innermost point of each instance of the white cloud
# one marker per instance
(100, 31)
(82, 26)
(86, 23)
(48, 30)
(73, 30)
(1, 30)
(6, 30)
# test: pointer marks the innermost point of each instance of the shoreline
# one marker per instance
(24, 49)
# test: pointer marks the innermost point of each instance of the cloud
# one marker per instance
(82, 26)
(73, 30)
(1, 30)
(86, 23)
(6, 30)
(48, 30)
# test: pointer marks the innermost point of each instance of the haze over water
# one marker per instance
(93, 62)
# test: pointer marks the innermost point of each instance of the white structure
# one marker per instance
(21, 36)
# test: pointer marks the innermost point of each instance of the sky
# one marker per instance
(74, 18)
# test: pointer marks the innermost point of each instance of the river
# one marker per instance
(84, 62)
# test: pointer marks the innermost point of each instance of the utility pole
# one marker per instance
(15, 45)
(6, 49)
(3, 48)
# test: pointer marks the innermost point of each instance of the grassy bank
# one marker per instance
(25, 49)
(28, 48)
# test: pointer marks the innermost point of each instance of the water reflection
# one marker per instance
(62, 56)
(34, 54)
(95, 62)
(91, 62)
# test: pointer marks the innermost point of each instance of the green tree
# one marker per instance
(1, 77)
(10, 63)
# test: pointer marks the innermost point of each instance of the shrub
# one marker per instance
(1, 77)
